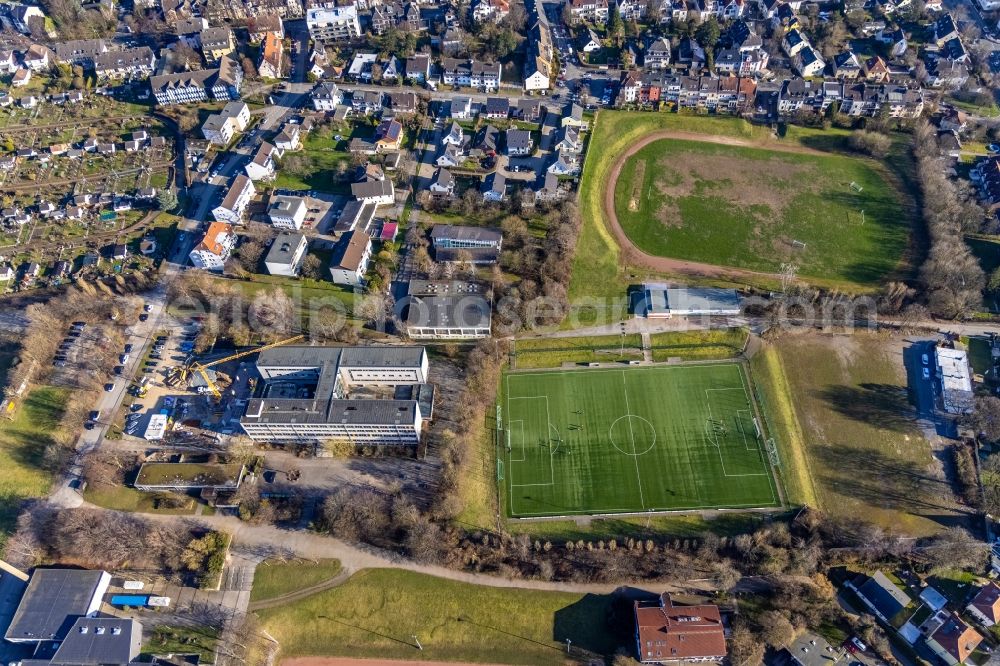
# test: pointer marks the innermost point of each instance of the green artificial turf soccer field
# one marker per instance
(632, 440)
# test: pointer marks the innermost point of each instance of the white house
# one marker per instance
(215, 247)
(220, 128)
(234, 204)
(536, 74)
(350, 259)
(287, 212)
(262, 166)
(378, 192)
(286, 254)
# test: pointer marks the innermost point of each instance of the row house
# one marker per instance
(80, 51)
(595, 11)
(220, 84)
(216, 43)
(138, 63)
(247, 10)
(741, 63)
(538, 69)
(271, 57)
(259, 26)
(469, 73)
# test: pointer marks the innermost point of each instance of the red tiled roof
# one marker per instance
(669, 632)
(957, 638)
(211, 243)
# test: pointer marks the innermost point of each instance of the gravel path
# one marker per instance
(634, 256)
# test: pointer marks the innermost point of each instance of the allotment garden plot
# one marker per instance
(632, 440)
(837, 217)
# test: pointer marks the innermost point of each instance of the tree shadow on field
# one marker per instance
(587, 623)
(884, 481)
(886, 405)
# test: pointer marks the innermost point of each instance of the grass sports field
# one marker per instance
(632, 440)
(833, 215)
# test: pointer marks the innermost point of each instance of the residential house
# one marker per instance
(876, 70)
(657, 55)
(24, 17)
(356, 215)
(326, 96)
(128, 64)
(37, 58)
(262, 166)
(214, 248)
(669, 633)
(366, 102)
(287, 212)
(443, 183)
(594, 11)
(286, 254)
(494, 187)
(537, 74)
(808, 63)
(220, 128)
(216, 43)
(418, 68)
(461, 108)
(350, 258)
(455, 136)
(451, 156)
(883, 597)
(794, 42)
(847, 66)
(519, 143)
(564, 165)
(80, 51)
(22, 77)
(241, 192)
(547, 188)
(497, 108)
(271, 57)
(288, 137)
(470, 73)
(403, 103)
(188, 30)
(378, 192)
(486, 142)
(985, 606)
(953, 119)
(573, 117)
(529, 110)
(568, 141)
(954, 641)
(490, 10)
(591, 43)
(8, 64)
(389, 135)
(258, 27)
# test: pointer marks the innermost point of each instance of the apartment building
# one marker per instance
(222, 83)
(220, 128)
(331, 24)
(213, 250)
(241, 192)
(139, 63)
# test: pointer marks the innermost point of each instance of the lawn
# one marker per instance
(327, 165)
(600, 276)
(716, 343)
(382, 613)
(632, 440)
(183, 640)
(123, 498)
(855, 430)
(553, 352)
(273, 578)
(23, 441)
(709, 203)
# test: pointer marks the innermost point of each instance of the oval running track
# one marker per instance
(631, 254)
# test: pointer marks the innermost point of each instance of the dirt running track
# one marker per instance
(632, 255)
(344, 661)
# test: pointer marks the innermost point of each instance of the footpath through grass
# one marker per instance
(377, 613)
(22, 447)
(275, 578)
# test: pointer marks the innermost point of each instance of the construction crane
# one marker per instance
(201, 368)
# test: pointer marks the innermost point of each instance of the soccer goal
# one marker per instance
(856, 187)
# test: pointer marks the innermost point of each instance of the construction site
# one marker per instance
(179, 398)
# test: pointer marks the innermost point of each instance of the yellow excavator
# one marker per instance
(185, 371)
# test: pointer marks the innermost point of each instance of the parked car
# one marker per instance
(927, 373)
(924, 359)
(109, 387)
(128, 349)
